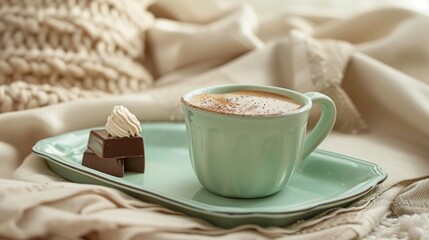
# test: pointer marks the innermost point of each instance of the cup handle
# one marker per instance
(324, 125)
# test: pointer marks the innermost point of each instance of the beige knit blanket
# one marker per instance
(72, 61)
(57, 51)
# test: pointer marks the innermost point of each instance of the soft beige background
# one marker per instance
(345, 7)
(373, 63)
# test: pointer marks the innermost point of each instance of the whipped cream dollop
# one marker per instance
(122, 123)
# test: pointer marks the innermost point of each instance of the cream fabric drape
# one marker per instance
(373, 64)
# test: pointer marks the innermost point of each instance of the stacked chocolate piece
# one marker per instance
(115, 153)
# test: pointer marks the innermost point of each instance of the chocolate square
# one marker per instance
(112, 166)
(106, 146)
(134, 164)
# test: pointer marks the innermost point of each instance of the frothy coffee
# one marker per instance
(248, 102)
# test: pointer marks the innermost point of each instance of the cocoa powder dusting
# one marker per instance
(245, 103)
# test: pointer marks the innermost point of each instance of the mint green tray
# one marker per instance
(325, 180)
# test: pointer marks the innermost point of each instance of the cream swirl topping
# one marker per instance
(122, 123)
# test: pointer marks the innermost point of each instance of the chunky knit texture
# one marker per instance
(67, 49)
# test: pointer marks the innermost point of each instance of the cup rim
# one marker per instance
(297, 96)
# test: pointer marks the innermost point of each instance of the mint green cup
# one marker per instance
(243, 156)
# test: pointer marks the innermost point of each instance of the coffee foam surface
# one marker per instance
(247, 102)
